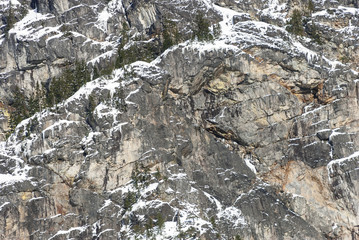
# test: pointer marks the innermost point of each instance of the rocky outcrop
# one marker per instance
(250, 136)
(47, 36)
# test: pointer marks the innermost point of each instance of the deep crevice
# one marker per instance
(228, 135)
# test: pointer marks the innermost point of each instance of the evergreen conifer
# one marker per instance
(296, 24)
(202, 31)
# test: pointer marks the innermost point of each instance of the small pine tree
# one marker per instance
(120, 60)
(129, 200)
(49, 96)
(160, 221)
(36, 101)
(310, 6)
(149, 225)
(217, 30)
(10, 18)
(92, 105)
(176, 34)
(213, 222)
(170, 34)
(238, 237)
(308, 11)
(40, 95)
(202, 31)
(81, 75)
(20, 109)
(34, 105)
(124, 33)
(67, 83)
(95, 73)
(295, 25)
(167, 40)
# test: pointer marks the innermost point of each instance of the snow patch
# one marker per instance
(3, 205)
(19, 173)
(67, 232)
(309, 54)
(102, 20)
(340, 162)
(233, 215)
(105, 205)
(249, 164)
(213, 200)
(24, 31)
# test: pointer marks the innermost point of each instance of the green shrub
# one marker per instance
(129, 201)
(149, 225)
(158, 174)
(167, 40)
(59, 89)
(140, 176)
(135, 52)
(238, 237)
(310, 6)
(202, 31)
(344, 59)
(213, 221)
(160, 220)
(10, 18)
(20, 109)
(217, 30)
(295, 24)
(67, 83)
(118, 100)
(170, 34)
(23, 107)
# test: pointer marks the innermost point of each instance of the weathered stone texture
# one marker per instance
(253, 135)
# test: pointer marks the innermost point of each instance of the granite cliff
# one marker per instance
(248, 130)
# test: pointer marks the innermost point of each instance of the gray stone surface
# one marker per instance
(253, 135)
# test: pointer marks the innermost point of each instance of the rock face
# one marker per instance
(253, 135)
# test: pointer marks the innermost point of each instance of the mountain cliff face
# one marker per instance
(251, 133)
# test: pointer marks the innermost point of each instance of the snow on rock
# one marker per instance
(232, 215)
(4, 4)
(341, 161)
(227, 22)
(248, 162)
(235, 37)
(149, 189)
(24, 31)
(107, 203)
(310, 55)
(3, 205)
(18, 173)
(178, 176)
(103, 17)
(68, 232)
(10, 179)
(116, 5)
(214, 200)
(275, 9)
(169, 231)
(59, 125)
(107, 55)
